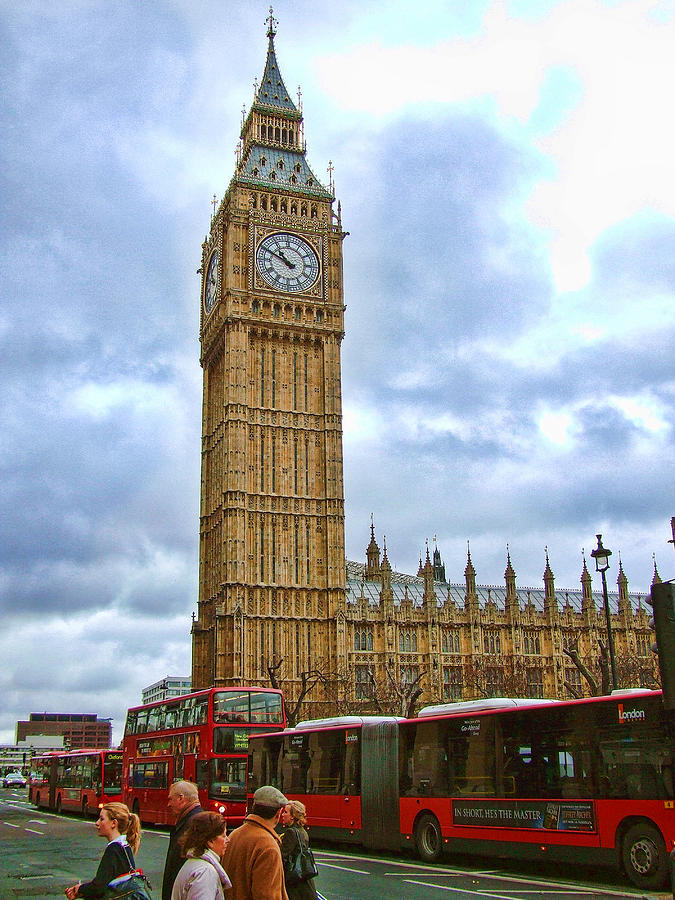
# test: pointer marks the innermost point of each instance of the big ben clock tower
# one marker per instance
(271, 559)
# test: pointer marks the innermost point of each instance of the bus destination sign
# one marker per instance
(544, 815)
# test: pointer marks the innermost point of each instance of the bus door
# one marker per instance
(321, 751)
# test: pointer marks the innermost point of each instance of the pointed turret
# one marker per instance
(587, 605)
(511, 601)
(385, 571)
(439, 568)
(550, 602)
(428, 574)
(372, 555)
(470, 578)
(622, 583)
(657, 578)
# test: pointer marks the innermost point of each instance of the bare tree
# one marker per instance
(309, 679)
(632, 671)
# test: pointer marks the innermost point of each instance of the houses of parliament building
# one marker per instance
(276, 593)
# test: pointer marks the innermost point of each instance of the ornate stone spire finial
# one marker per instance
(271, 23)
(657, 578)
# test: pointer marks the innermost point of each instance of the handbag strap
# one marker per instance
(130, 859)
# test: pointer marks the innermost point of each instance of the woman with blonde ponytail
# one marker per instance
(122, 830)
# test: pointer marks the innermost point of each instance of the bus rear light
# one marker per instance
(543, 848)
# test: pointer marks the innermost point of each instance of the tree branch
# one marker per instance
(573, 654)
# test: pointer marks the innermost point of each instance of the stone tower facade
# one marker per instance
(271, 559)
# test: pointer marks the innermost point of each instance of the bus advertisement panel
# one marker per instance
(77, 781)
(200, 737)
(569, 779)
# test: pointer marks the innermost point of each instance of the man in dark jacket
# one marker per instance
(183, 802)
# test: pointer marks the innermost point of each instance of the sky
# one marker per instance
(505, 174)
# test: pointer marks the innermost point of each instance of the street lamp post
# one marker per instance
(601, 556)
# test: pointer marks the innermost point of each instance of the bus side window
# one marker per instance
(352, 770)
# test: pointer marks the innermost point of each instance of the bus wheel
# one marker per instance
(428, 838)
(58, 805)
(644, 856)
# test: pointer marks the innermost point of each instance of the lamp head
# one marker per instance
(601, 556)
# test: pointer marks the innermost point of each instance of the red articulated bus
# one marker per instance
(200, 737)
(588, 779)
(77, 780)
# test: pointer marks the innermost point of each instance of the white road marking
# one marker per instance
(325, 865)
(430, 870)
(11, 825)
(474, 893)
(33, 831)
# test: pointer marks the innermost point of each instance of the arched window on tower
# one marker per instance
(284, 136)
(315, 211)
(277, 135)
(282, 205)
(273, 202)
(303, 209)
(294, 209)
(263, 202)
(263, 132)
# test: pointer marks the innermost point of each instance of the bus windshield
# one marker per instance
(227, 779)
(247, 706)
(112, 773)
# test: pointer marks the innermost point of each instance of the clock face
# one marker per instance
(287, 262)
(211, 283)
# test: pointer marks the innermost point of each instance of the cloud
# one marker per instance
(504, 173)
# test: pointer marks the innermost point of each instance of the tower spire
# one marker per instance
(272, 91)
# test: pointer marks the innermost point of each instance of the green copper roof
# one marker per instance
(272, 91)
(281, 168)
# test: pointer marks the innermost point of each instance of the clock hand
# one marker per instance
(282, 258)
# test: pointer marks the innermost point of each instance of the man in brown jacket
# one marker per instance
(252, 859)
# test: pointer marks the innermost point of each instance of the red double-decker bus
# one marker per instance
(200, 737)
(581, 779)
(77, 780)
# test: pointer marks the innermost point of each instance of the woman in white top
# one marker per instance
(202, 877)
